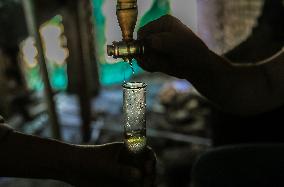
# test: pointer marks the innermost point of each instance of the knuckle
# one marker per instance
(169, 17)
(169, 22)
(2, 119)
(141, 32)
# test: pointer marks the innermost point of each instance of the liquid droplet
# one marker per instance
(131, 66)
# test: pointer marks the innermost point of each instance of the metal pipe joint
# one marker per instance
(125, 50)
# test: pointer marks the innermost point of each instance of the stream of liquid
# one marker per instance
(132, 69)
(131, 66)
(135, 140)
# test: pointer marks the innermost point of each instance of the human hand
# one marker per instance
(170, 47)
(102, 166)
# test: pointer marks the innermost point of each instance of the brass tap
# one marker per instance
(125, 50)
(128, 48)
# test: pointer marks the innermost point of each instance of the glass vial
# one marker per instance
(134, 113)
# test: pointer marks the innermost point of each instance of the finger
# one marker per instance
(126, 173)
(165, 43)
(140, 63)
(146, 63)
(151, 158)
(165, 23)
(153, 62)
(2, 119)
(150, 168)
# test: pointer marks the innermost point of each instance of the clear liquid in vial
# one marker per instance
(135, 140)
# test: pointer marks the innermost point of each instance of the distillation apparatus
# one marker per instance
(134, 93)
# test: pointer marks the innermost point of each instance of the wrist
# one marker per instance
(197, 64)
(72, 163)
(81, 158)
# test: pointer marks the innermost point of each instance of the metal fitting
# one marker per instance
(126, 4)
(125, 50)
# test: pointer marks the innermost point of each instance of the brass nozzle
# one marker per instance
(127, 13)
(125, 50)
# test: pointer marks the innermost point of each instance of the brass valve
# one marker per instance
(128, 48)
(125, 50)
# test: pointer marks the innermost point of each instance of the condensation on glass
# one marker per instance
(134, 111)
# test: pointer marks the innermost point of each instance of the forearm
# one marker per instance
(172, 48)
(242, 90)
(28, 156)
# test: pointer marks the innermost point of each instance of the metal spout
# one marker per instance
(127, 13)
(128, 48)
(125, 50)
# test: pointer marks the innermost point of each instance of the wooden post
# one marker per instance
(33, 29)
(86, 66)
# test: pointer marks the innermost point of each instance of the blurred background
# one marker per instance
(73, 92)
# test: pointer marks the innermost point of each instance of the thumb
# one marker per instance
(126, 173)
